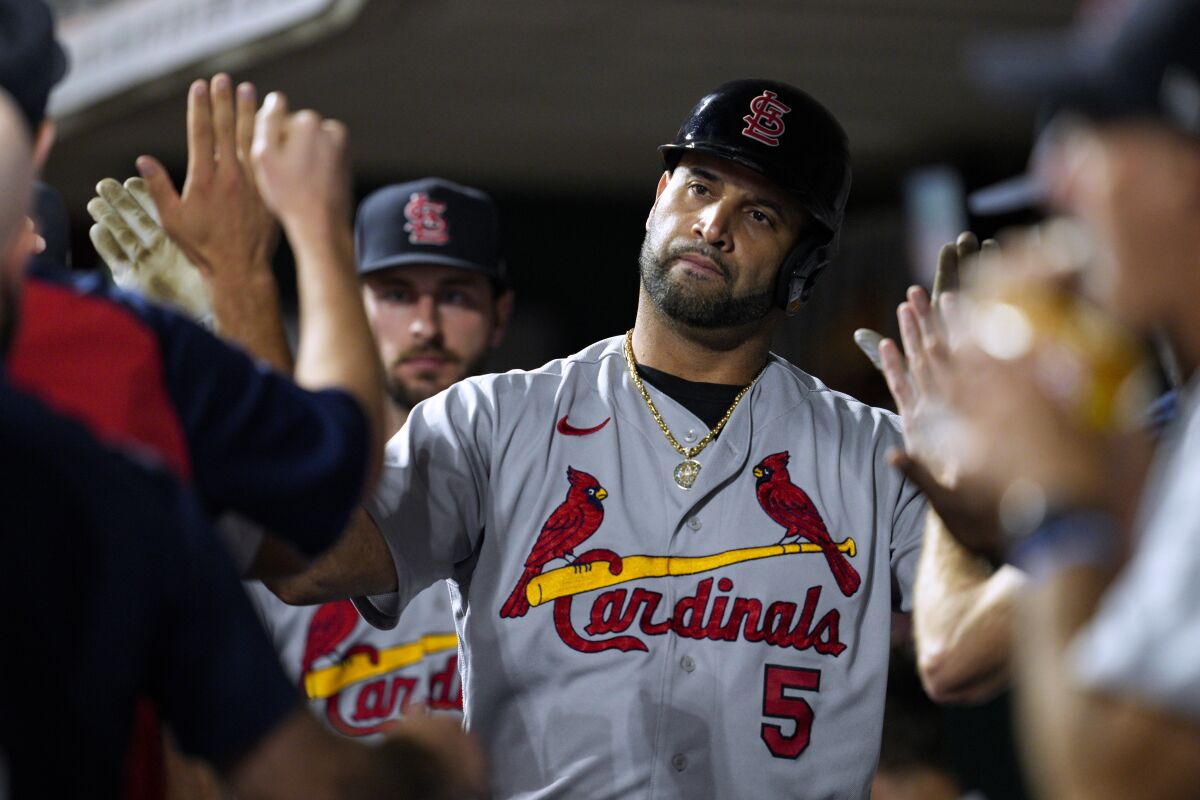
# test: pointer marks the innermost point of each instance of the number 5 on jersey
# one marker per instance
(779, 701)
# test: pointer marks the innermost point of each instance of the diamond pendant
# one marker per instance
(686, 473)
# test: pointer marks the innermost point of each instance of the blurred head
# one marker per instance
(1122, 151)
(31, 64)
(434, 284)
(16, 181)
(1135, 184)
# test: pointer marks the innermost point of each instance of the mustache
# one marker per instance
(448, 356)
(680, 249)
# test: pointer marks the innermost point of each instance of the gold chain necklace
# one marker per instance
(688, 470)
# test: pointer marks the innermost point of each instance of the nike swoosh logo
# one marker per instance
(567, 429)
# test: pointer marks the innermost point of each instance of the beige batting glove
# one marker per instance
(138, 252)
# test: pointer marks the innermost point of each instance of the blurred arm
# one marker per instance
(962, 619)
(1084, 743)
(358, 564)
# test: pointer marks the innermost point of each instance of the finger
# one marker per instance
(200, 134)
(247, 104)
(940, 498)
(927, 318)
(125, 204)
(966, 245)
(930, 327)
(224, 121)
(37, 241)
(868, 342)
(919, 299)
(895, 373)
(915, 349)
(338, 135)
(913, 470)
(137, 187)
(910, 333)
(269, 124)
(989, 249)
(161, 190)
(952, 320)
(109, 251)
(107, 217)
(336, 130)
(946, 278)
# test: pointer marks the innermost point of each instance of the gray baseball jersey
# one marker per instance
(1142, 641)
(359, 678)
(626, 638)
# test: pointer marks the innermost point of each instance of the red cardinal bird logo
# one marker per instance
(569, 526)
(329, 627)
(788, 505)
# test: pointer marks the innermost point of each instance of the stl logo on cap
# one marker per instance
(426, 225)
(764, 123)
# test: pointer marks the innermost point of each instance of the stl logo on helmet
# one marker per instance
(426, 225)
(764, 123)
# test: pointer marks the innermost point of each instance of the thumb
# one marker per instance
(868, 341)
(919, 474)
(161, 189)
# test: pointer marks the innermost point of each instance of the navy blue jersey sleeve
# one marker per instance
(287, 458)
(129, 571)
(221, 687)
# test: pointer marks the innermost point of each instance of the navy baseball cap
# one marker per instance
(1144, 65)
(429, 221)
(31, 60)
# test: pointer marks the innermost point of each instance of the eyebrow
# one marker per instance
(756, 199)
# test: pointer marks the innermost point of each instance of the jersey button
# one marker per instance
(694, 523)
(679, 762)
(688, 663)
(690, 436)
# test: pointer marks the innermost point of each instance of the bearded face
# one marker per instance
(716, 239)
(709, 304)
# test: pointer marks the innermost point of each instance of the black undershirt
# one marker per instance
(708, 401)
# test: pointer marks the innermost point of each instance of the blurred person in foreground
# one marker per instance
(437, 297)
(159, 614)
(1107, 647)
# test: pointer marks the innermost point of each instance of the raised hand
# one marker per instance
(301, 162)
(922, 380)
(219, 221)
(138, 252)
(947, 278)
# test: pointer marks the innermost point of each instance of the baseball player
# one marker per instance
(437, 298)
(673, 555)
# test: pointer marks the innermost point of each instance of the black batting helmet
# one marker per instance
(789, 137)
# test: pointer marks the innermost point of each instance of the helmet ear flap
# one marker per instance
(801, 268)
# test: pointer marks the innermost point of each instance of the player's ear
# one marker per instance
(662, 185)
(504, 308)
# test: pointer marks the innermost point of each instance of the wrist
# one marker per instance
(256, 280)
(1068, 538)
(315, 223)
